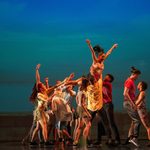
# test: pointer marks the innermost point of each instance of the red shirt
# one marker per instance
(129, 83)
(107, 92)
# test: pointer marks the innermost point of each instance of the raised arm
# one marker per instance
(51, 89)
(46, 82)
(111, 49)
(74, 82)
(92, 51)
(71, 76)
(66, 81)
(38, 80)
(54, 106)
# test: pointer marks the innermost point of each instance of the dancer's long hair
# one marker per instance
(33, 95)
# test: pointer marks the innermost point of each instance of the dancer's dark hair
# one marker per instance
(98, 49)
(144, 85)
(33, 95)
(111, 77)
(85, 82)
(91, 78)
(135, 70)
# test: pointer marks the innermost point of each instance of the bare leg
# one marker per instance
(44, 130)
(75, 128)
(59, 132)
(35, 131)
(145, 122)
(55, 133)
(78, 131)
(65, 132)
(86, 129)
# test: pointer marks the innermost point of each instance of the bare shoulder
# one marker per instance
(142, 93)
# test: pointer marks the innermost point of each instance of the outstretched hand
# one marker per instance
(71, 75)
(115, 45)
(88, 41)
(38, 66)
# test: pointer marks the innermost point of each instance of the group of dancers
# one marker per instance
(54, 114)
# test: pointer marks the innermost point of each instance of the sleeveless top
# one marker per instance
(79, 97)
(96, 70)
(142, 104)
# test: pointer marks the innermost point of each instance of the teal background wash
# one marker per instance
(53, 33)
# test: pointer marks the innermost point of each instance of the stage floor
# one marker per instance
(19, 146)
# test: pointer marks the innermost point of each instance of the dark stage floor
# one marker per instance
(14, 127)
(19, 146)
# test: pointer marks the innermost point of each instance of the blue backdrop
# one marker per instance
(53, 33)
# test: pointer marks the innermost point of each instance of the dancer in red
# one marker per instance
(130, 107)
